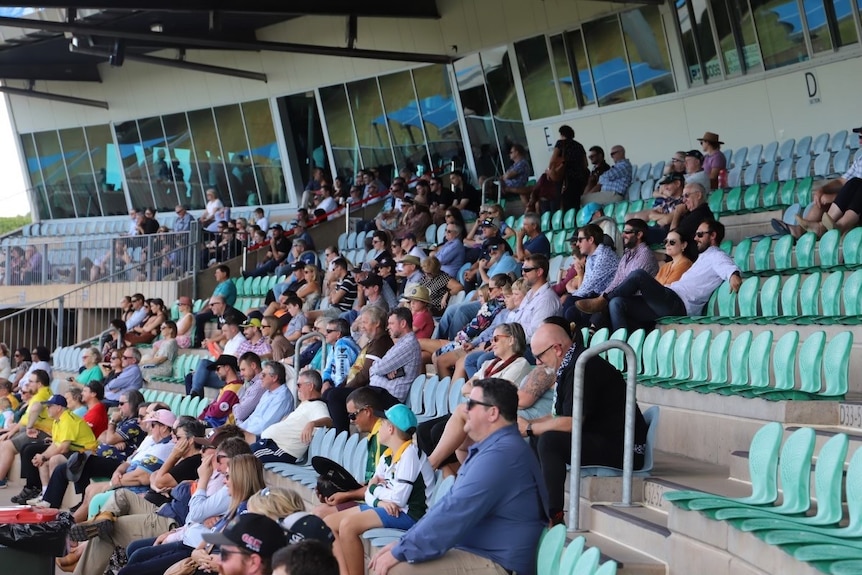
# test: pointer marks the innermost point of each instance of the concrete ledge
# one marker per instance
(698, 528)
(687, 556)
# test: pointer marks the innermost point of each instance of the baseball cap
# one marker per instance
(298, 265)
(163, 416)
(673, 177)
(386, 263)
(411, 235)
(694, 154)
(217, 437)
(303, 525)
(857, 130)
(491, 222)
(57, 400)
(224, 359)
(401, 417)
(276, 227)
(410, 260)
(253, 322)
(372, 280)
(493, 242)
(251, 532)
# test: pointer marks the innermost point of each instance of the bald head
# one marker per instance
(549, 345)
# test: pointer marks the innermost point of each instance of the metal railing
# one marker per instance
(85, 311)
(304, 338)
(52, 260)
(577, 417)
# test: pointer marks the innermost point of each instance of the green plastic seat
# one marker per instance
(557, 220)
(664, 359)
(571, 554)
(587, 563)
(600, 336)
(794, 465)
(608, 210)
(763, 470)
(810, 363)
(848, 567)
(621, 212)
(559, 245)
(636, 342)
(718, 354)
(607, 568)
(739, 352)
(809, 299)
(680, 360)
(830, 298)
(758, 369)
(617, 357)
(761, 255)
(789, 299)
(751, 198)
(742, 255)
(700, 350)
(726, 300)
(716, 201)
(649, 366)
(551, 550)
(770, 196)
(256, 286)
(852, 298)
(828, 475)
(851, 248)
(836, 366)
(788, 192)
(805, 251)
(726, 246)
(769, 297)
(733, 200)
(827, 249)
(545, 221)
(782, 253)
(783, 367)
(746, 298)
(184, 405)
(803, 191)
(569, 219)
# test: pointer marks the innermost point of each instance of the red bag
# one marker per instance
(545, 188)
(27, 514)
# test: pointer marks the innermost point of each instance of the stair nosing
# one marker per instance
(639, 521)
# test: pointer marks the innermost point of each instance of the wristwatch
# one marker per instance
(529, 430)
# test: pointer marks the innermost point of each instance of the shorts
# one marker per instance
(21, 439)
(403, 521)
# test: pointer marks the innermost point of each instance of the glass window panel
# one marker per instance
(821, 41)
(159, 163)
(706, 39)
(647, 52)
(182, 165)
(537, 77)
(578, 57)
(265, 156)
(303, 135)
(210, 162)
(439, 115)
(477, 115)
(779, 28)
(135, 164)
(695, 72)
(109, 171)
(564, 72)
(608, 62)
(54, 173)
(846, 25)
(508, 122)
(81, 177)
(342, 138)
(405, 121)
(742, 22)
(231, 132)
(373, 138)
(39, 193)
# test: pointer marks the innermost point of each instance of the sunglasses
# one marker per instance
(628, 232)
(701, 234)
(471, 403)
(497, 338)
(527, 270)
(352, 416)
(669, 242)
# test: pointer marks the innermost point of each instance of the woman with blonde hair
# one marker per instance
(5, 362)
(276, 503)
(440, 285)
(310, 292)
(91, 357)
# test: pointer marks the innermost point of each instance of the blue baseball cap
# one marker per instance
(57, 400)
(401, 417)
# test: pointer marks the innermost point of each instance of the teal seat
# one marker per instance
(761, 255)
(828, 475)
(551, 550)
(616, 357)
(700, 350)
(636, 342)
(852, 298)
(836, 366)
(789, 299)
(788, 192)
(763, 470)
(805, 251)
(557, 220)
(810, 363)
(742, 255)
(849, 567)
(587, 563)
(718, 354)
(663, 358)
(746, 298)
(726, 301)
(572, 553)
(648, 355)
(733, 200)
(716, 201)
(606, 568)
(783, 367)
(677, 360)
(569, 219)
(739, 353)
(545, 221)
(782, 253)
(794, 469)
(809, 299)
(769, 196)
(751, 199)
(827, 249)
(559, 245)
(621, 212)
(769, 297)
(830, 299)
(758, 368)
(851, 248)
(803, 191)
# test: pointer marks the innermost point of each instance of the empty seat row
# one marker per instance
(808, 253)
(179, 403)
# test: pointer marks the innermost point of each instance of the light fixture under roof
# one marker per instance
(156, 27)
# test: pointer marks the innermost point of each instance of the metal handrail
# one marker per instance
(577, 417)
(302, 338)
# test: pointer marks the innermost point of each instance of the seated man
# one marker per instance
(494, 519)
(603, 423)
(402, 363)
(344, 353)
(687, 296)
(279, 247)
(396, 497)
(667, 198)
(250, 368)
(130, 378)
(275, 404)
(287, 440)
(614, 182)
(202, 376)
(220, 409)
(529, 239)
(223, 298)
(34, 427)
(686, 218)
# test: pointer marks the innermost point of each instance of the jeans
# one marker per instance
(655, 301)
(148, 559)
(455, 318)
(202, 377)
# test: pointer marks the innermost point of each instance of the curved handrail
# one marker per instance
(577, 417)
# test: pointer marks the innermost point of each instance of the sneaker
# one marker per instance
(38, 502)
(3, 484)
(26, 493)
(101, 526)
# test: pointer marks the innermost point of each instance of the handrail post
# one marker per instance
(302, 339)
(577, 417)
(60, 321)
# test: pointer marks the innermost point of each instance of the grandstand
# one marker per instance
(744, 400)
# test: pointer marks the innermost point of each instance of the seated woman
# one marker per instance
(185, 323)
(114, 339)
(92, 372)
(441, 286)
(161, 364)
(310, 292)
(227, 478)
(148, 331)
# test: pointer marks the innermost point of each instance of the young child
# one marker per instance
(6, 392)
(423, 321)
(7, 416)
(397, 495)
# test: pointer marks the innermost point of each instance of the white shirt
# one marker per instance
(263, 223)
(536, 307)
(695, 287)
(327, 205)
(287, 433)
(418, 252)
(231, 347)
(133, 227)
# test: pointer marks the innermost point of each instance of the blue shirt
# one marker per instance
(451, 256)
(504, 265)
(600, 270)
(538, 245)
(130, 379)
(226, 289)
(499, 516)
(618, 178)
(274, 405)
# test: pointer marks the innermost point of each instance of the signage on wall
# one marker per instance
(812, 88)
(549, 139)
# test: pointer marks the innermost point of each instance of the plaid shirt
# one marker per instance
(618, 178)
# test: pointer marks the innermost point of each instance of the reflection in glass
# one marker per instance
(108, 169)
(405, 121)
(706, 39)
(821, 41)
(743, 23)
(182, 165)
(564, 72)
(210, 165)
(135, 164)
(607, 60)
(158, 163)
(39, 195)
(373, 138)
(779, 29)
(695, 73)
(264, 152)
(240, 173)
(508, 122)
(647, 51)
(54, 173)
(81, 177)
(339, 125)
(537, 77)
(477, 115)
(303, 136)
(439, 115)
(846, 25)
(583, 88)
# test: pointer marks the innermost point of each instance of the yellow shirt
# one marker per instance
(44, 423)
(72, 428)
(13, 401)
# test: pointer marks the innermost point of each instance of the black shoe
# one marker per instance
(26, 493)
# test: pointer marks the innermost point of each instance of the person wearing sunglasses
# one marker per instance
(678, 264)
(603, 422)
(686, 218)
(687, 296)
(344, 353)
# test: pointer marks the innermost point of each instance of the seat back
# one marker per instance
(827, 249)
(682, 355)
(587, 563)
(803, 147)
(808, 294)
(644, 171)
(821, 165)
(830, 294)
(742, 254)
(739, 354)
(754, 154)
(758, 370)
(573, 552)
(795, 470)
(790, 296)
(751, 198)
(769, 151)
(550, 550)
(836, 364)
(664, 354)
(763, 463)
(828, 474)
(648, 354)
(636, 342)
(810, 362)
(346, 456)
(767, 173)
(786, 148)
(761, 254)
(700, 350)
(733, 199)
(784, 361)
(851, 247)
(750, 176)
(841, 161)
(651, 417)
(782, 253)
(805, 250)
(607, 568)
(718, 354)
(739, 156)
(747, 297)
(852, 294)
(820, 144)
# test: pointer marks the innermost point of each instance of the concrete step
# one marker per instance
(629, 561)
(639, 527)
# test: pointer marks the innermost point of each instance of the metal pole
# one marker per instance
(302, 339)
(577, 417)
(60, 321)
